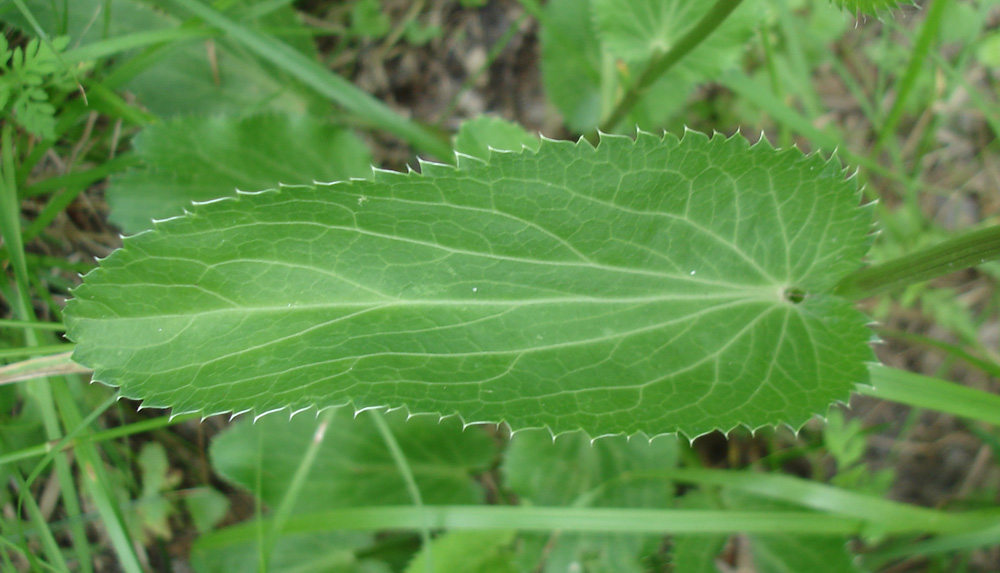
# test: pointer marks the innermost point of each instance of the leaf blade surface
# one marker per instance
(635, 287)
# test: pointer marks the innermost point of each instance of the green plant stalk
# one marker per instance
(932, 393)
(287, 504)
(928, 33)
(660, 65)
(969, 249)
(411, 483)
(325, 82)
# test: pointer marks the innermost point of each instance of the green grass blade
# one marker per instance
(821, 497)
(319, 78)
(39, 391)
(36, 350)
(411, 484)
(96, 482)
(942, 544)
(578, 519)
(932, 393)
(284, 509)
(119, 44)
(56, 326)
(918, 57)
(49, 544)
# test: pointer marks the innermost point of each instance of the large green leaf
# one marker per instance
(199, 159)
(651, 286)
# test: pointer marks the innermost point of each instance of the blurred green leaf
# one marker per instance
(477, 136)
(353, 466)
(466, 552)
(199, 159)
(574, 471)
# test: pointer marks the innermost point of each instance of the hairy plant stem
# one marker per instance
(659, 65)
(967, 250)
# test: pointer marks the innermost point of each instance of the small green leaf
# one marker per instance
(476, 137)
(368, 20)
(200, 159)
(309, 552)
(466, 551)
(636, 287)
(206, 506)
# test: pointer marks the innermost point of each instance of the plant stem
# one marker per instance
(967, 250)
(660, 65)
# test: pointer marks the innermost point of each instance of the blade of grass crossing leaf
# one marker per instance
(322, 80)
(284, 509)
(934, 393)
(411, 484)
(603, 520)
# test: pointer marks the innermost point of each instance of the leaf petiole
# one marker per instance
(967, 250)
